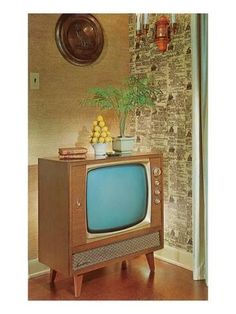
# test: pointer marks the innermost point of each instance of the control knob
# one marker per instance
(156, 171)
(157, 201)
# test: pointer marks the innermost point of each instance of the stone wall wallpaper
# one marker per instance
(167, 128)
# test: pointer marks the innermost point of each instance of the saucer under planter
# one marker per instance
(100, 149)
(125, 145)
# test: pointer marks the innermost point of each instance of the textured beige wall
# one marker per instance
(33, 211)
(56, 118)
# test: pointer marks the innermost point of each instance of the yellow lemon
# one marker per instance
(95, 123)
(105, 129)
(107, 139)
(97, 128)
(96, 134)
(94, 140)
(101, 124)
(108, 133)
(99, 118)
(101, 140)
(103, 134)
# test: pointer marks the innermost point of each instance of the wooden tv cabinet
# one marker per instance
(63, 242)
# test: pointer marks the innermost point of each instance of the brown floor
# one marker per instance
(134, 283)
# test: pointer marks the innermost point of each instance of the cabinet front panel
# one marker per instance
(115, 250)
(157, 191)
(78, 225)
(78, 205)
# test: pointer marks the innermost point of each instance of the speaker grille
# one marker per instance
(115, 250)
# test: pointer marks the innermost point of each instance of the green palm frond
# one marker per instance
(133, 93)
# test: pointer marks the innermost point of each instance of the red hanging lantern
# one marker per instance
(162, 33)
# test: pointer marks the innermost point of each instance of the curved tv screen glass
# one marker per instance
(117, 197)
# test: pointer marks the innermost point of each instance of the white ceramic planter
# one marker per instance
(125, 145)
(100, 149)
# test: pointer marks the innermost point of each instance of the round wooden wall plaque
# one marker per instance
(79, 38)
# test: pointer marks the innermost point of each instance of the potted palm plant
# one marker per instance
(134, 93)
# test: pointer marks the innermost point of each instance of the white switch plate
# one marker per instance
(34, 80)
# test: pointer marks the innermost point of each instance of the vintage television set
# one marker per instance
(94, 212)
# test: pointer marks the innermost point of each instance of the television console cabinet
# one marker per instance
(63, 242)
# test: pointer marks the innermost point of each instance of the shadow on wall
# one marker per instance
(83, 139)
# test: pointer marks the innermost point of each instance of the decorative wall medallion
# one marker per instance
(79, 38)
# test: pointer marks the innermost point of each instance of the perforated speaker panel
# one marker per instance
(115, 250)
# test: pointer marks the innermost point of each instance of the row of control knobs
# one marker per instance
(156, 173)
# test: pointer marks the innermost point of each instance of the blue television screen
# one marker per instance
(117, 197)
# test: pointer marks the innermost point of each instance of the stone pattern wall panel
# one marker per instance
(168, 126)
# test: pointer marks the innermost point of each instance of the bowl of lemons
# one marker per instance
(100, 136)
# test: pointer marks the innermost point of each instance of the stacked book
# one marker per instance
(72, 153)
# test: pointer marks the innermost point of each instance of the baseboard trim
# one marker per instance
(36, 268)
(175, 256)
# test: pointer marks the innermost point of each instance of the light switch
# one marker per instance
(34, 80)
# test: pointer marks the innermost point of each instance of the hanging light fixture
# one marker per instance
(142, 24)
(162, 31)
(174, 26)
(145, 23)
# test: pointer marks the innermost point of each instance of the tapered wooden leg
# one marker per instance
(124, 265)
(150, 260)
(53, 274)
(78, 284)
